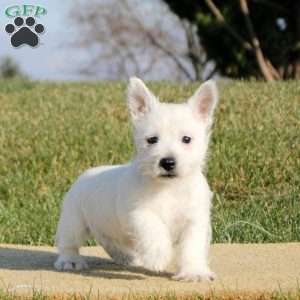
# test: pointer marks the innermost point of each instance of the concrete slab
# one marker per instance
(241, 269)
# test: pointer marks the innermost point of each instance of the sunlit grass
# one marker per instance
(39, 295)
(50, 133)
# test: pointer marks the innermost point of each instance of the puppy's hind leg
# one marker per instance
(72, 232)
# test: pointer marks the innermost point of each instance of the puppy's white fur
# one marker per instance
(132, 210)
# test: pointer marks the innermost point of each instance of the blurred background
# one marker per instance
(183, 40)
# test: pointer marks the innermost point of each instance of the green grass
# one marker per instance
(39, 295)
(51, 132)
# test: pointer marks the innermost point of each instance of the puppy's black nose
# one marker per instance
(167, 163)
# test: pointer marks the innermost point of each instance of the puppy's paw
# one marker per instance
(155, 265)
(70, 264)
(206, 275)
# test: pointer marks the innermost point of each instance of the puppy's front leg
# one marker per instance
(153, 247)
(194, 245)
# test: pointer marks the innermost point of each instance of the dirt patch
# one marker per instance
(241, 269)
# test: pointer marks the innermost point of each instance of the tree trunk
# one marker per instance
(261, 61)
(296, 63)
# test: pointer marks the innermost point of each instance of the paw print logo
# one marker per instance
(24, 34)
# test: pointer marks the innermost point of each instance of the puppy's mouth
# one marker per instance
(168, 175)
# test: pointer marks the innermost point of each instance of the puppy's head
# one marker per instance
(171, 139)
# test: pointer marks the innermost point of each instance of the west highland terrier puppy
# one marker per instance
(141, 210)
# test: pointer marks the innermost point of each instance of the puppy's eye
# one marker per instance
(186, 139)
(152, 140)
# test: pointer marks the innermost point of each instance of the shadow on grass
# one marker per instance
(34, 260)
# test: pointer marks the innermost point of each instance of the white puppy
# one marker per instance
(139, 211)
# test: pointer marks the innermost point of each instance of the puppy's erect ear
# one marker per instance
(204, 100)
(140, 100)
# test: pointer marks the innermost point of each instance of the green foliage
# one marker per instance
(9, 68)
(50, 133)
(279, 45)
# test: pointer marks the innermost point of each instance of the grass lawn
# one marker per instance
(37, 295)
(51, 132)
